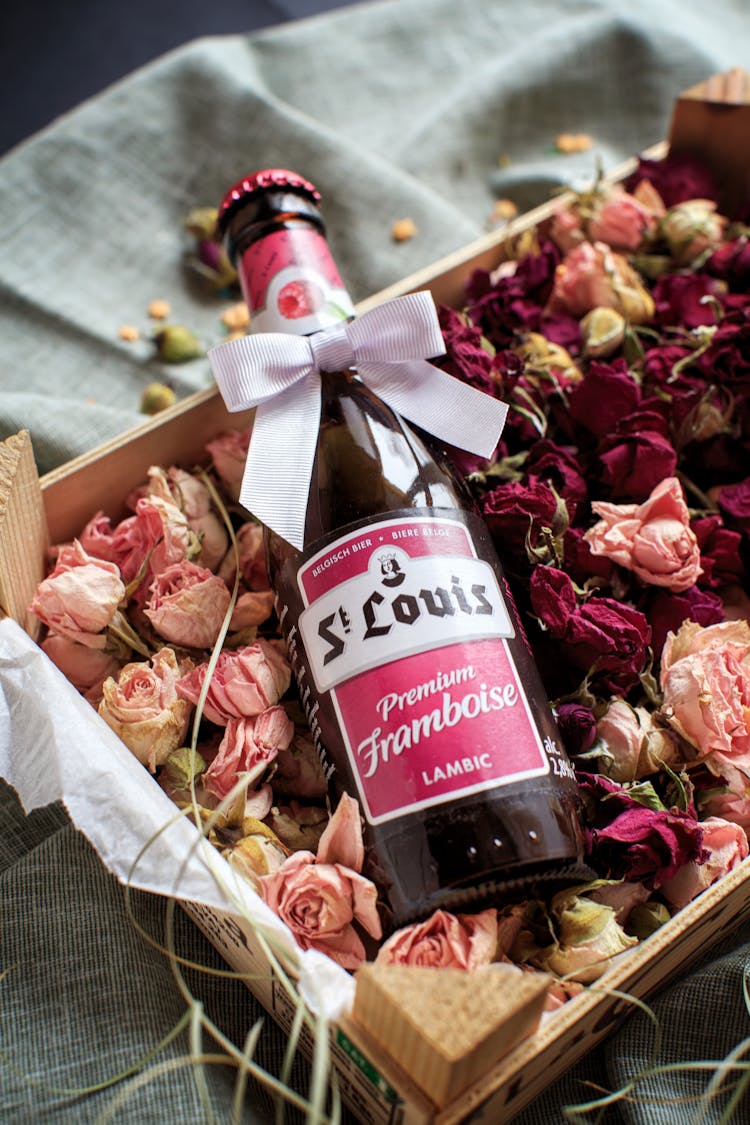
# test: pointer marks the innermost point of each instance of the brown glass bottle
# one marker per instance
(443, 731)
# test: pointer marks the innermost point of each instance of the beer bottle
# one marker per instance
(418, 682)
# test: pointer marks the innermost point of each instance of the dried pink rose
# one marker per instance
(252, 560)
(251, 609)
(187, 605)
(244, 683)
(444, 940)
(621, 895)
(342, 841)
(725, 845)
(80, 597)
(86, 668)
(191, 495)
(594, 276)
(566, 230)
(653, 539)
(634, 745)
(622, 221)
(705, 677)
(726, 797)
(158, 534)
(246, 750)
(142, 707)
(319, 902)
(228, 452)
(96, 537)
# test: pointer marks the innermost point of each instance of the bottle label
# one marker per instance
(407, 628)
(293, 283)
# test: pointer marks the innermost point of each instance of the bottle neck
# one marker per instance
(286, 271)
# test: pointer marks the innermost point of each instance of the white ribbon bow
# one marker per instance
(280, 375)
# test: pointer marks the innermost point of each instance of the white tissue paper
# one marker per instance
(55, 747)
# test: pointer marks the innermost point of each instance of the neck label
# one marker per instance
(292, 285)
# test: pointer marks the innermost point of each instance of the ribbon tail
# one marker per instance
(275, 483)
(452, 410)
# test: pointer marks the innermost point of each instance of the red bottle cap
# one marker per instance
(278, 179)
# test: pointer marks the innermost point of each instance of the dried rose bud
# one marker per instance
(177, 344)
(183, 767)
(258, 852)
(588, 936)
(692, 228)
(603, 332)
(299, 827)
(538, 351)
(156, 397)
(213, 263)
(646, 918)
(201, 222)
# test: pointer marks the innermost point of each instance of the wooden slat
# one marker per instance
(448, 1027)
(23, 531)
(711, 122)
(102, 478)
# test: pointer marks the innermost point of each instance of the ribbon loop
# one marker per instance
(280, 375)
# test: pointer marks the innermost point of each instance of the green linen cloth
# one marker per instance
(429, 109)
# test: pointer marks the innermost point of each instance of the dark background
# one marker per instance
(56, 53)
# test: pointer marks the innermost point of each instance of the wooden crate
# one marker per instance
(372, 1083)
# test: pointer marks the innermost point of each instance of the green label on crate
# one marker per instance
(366, 1067)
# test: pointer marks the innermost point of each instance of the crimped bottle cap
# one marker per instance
(275, 179)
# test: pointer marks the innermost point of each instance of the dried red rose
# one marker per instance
(577, 726)
(637, 841)
(666, 612)
(632, 465)
(675, 178)
(515, 512)
(686, 299)
(608, 393)
(601, 636)
(515, 301)
(734, 501)
(466, 357)
(557, 465)
(720, 549)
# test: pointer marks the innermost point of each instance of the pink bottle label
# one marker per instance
(407, 628)
(292, 284)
